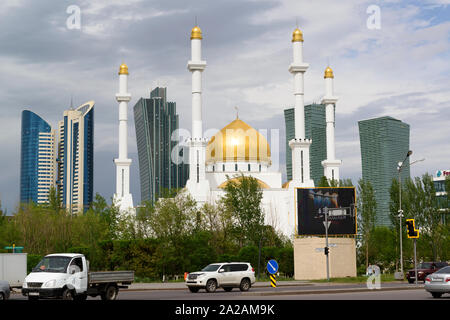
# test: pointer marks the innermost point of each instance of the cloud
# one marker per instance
(400, 70)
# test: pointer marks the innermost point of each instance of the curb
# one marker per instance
(330, 291)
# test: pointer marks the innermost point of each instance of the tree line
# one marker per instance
(169, 237)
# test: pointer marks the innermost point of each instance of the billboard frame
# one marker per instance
(348, 235)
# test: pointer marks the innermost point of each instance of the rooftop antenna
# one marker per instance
(71, 102)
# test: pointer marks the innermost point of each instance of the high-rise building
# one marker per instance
(315, 129)
(384, 143)
(76, 158)
(38, 158)
(156, 122)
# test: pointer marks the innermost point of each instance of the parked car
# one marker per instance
(438, 283)
(5, 290)
(226, 275)
(423, 270)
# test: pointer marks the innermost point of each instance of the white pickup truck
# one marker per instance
(67, 276)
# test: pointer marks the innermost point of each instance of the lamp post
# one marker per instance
(400, 211)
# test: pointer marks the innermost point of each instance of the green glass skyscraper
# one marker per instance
(315, 129)
(384, 143)
(156, 122)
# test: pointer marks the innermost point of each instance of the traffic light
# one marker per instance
(326, 250)
(411, 228)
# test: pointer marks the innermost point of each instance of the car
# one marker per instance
(226, 275)
(423, 270)
(5, 290)
(438, 282)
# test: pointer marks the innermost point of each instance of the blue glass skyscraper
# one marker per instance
(37, 162)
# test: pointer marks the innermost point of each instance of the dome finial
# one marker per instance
(297, 35)
(237, 111)
(123, 69)
(196, 33)
(328, 73)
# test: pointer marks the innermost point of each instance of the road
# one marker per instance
(303, 292)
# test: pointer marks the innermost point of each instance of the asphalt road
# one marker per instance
(309, 292)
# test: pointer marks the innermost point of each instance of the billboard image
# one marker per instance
(338, 203)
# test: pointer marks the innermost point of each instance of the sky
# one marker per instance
(388, 57)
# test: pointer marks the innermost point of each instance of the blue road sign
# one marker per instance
(272, 266)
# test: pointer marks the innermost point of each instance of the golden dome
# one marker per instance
(238, 142)
(297, 35)
(123, 69)
(238, 180)
(196, 33)
(328, 73)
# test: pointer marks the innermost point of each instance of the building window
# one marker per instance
(259, 168)
(249, 167)
(213, 168)
(235, 167)
(223, 168)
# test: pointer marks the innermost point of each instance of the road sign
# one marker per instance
(272, 266)
(327, 224)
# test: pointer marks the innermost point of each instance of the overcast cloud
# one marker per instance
(401, 70)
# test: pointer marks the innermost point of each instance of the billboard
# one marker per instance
(338, 203)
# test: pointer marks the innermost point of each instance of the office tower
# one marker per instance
(38, 158)
(156, 122)
(315, 129)
(384, 143)
(76, 158)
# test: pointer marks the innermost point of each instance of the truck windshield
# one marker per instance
(52, 264)
(211, 267)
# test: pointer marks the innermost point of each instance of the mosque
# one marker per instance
(238, 149)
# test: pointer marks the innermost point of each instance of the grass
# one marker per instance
(358, 279)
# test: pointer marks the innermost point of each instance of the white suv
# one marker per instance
(226, 275)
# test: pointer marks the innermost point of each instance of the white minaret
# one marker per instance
(197, 184)
(299, 145)
(123, 198)
(330, 165)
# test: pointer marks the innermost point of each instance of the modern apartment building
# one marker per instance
(315, 129)
(384, 143)
(38, 159)
(63, 160)
(156, 122)
(76, 158)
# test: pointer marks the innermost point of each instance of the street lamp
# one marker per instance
(400, 211)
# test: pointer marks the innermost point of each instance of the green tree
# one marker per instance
(243, 199)
(367, 206)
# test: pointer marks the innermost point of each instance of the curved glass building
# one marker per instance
(38, 158)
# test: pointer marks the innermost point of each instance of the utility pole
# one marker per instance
(325, 210)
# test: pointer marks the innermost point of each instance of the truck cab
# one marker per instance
(57, 275)
(67, 276)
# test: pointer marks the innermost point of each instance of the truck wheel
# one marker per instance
(211, 285)
(67, 294)
(110, 293)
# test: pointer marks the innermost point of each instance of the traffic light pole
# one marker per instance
(415, 261)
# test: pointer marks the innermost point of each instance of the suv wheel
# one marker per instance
(211, 285)
(245, 285)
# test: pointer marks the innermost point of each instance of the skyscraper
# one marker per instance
(38, 158)
(155, 122)
(315, 129)
(76, 158)
(384, 143)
